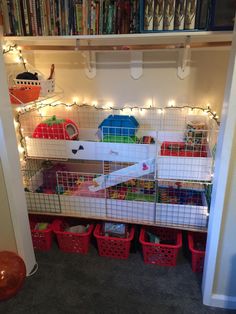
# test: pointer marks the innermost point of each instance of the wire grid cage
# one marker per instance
(155, 170)
(145, 200)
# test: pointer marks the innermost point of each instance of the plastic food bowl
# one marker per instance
(24, 94)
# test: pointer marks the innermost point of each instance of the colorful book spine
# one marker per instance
(11, 17)
(34, 18)
(93, 18)
(38, 17)
(97, 17)
(109, 29)
(85, 17)
(26, 17)
(158, 15)
(101, 17)
(29, 12)
(126, 18)
(105, 15)
(48, 18)
(79, 18)
(190, 14)
(169, 15)
(62, 14)
(52, 17)
(180, 7)
(148, 15)
(5, 17)
(118, 17)
(202, 14)
(66, 17)
(19, 18)
(88, 16)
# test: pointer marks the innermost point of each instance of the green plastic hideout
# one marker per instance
(120, 139)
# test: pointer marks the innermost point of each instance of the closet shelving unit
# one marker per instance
(129, 182)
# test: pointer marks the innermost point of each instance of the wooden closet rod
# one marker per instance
(126, 47)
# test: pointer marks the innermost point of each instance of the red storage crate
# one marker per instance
(72, 242)
(197, 244)
(111, 246)
(42, 239)
(161, 254)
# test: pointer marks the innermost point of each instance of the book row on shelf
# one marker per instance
(93, 17)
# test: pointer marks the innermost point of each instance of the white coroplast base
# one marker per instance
(115, 152)
(83, 206)
(131, 211)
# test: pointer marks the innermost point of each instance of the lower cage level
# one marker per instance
(146, 213)
(141, 200)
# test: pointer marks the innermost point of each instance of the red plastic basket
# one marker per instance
(161, 254)
(24, 94)
(72, 242)
(198, 256)
(42, 239)
(111, 246)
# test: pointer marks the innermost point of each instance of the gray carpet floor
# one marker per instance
(72, 283)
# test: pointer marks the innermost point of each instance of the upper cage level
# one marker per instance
(181, 142)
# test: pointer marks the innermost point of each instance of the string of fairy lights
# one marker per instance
(36, 106)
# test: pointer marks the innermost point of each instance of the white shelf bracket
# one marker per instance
(136, 64)
(90, 61)
(183, 69)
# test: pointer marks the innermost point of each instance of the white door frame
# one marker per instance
(222, 168)
(13, 178)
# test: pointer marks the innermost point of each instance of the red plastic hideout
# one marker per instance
(56, 129)
(72, 242)
(111, 246)
(197, 246)
(182, 149)
(159, 253)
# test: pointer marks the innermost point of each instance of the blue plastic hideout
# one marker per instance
(119, 125)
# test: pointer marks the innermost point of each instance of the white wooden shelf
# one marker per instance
(196, 37)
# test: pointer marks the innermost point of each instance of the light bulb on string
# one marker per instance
(171, 103)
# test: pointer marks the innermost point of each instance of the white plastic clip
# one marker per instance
(90, 62)
(136, 64)
(183, 69)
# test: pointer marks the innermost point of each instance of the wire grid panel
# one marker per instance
(181, 206)
(185, 155)
(75, 196)
(42, 202)
(39, 199)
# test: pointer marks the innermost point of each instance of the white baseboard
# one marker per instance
(223, 301)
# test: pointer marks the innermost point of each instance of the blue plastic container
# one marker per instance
(119, 125)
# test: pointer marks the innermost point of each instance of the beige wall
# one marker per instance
(225, 283)
(113, 82)
(7, 236)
